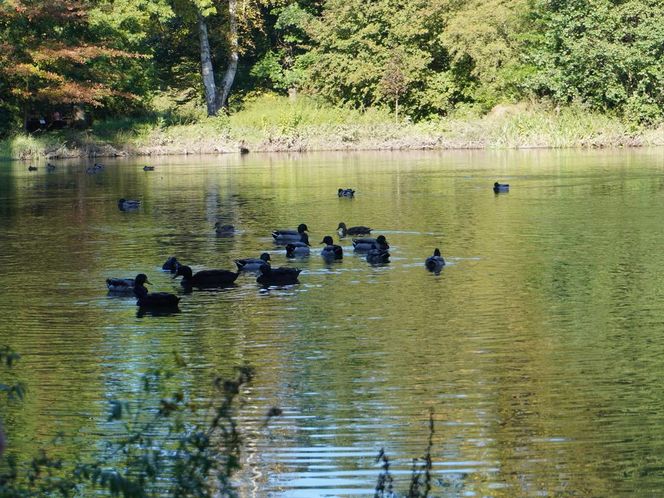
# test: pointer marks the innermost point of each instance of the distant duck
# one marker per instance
(501, 187)
(154, 300)
(50, 167)
(206, 279)
(378, 256)
(359, 230)
(278, 276)
(298, 249)
(120, 285)
(367, 244)
(148, 168)
(243, 148)
(171, 264)
(128, 204)
(285, 236)
(346, 192)
(98, 166)
(331, 251)
(253, 264)
(224, 230)
(32, 168)
(436, 262)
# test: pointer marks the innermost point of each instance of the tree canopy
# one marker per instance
(50, 53)
(420, 58)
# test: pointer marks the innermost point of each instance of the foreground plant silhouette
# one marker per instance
(168, 445)
(420, 476)
(176, 448)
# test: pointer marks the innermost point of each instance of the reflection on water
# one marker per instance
(539, 345)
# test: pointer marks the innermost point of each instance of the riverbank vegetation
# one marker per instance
(164, 76)
(273, 124)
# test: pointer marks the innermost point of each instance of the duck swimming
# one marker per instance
(224, 230)
(171, 264)
(128, 204)
(32, 168)
(359, 230)
(346, 192)
(206, 279)
(298, 249)
(50, 167)
(120, 285)
(378, 256)
(501, 187)
(253, 264)
(366, 244)
(278, 276)
(155, 300)
(148, 168)
(331, 251)
(436, 262)
(285, 236)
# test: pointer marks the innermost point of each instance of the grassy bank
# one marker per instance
(271, 124)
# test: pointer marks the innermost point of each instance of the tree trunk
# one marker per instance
(233, 57)
(207, 71)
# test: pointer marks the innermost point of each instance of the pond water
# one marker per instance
(540, 346)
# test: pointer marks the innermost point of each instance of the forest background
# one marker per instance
(115, 77)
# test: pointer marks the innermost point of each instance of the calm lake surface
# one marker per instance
(540, 346)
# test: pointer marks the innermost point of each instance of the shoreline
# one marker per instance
(509, 129)
(99, 149)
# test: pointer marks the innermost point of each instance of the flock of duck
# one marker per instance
(90, 170)
(296, 243)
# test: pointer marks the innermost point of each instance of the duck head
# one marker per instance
(141, 279)
(171, 264)
(302, 228)
(342, 226)
(327, 240)
(183, 271)
(436, 252)
(265, 257)
(290, 250)
(382, 240)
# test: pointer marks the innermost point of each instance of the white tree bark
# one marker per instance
(207, 71)
(233, 57)
(217, 98)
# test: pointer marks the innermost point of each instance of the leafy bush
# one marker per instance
(172, 446)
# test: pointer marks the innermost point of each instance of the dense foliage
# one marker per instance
(418, 58)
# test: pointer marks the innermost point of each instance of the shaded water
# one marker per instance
(540, 346)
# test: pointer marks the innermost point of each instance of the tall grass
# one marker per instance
(23, 147)
(268, 111)
(572, 126)
(275, 123)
